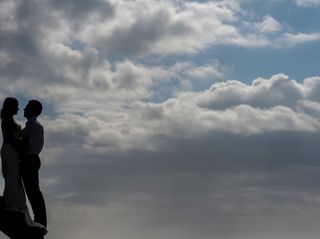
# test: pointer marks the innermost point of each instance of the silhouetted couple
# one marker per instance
(20, 160)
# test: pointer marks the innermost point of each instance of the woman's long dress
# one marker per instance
(14, 194)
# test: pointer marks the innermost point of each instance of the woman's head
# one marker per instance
(9, 108)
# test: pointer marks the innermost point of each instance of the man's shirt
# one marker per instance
(33, 136)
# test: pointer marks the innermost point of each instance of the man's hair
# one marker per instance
(36, 107)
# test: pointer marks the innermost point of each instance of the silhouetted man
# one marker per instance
(32, 140)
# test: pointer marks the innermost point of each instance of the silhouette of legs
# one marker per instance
(30, 166)
(14, 194)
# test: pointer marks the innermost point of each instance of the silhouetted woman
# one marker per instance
(13, 194)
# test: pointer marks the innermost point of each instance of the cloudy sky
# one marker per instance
(171, 119)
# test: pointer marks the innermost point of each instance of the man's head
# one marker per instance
(32, 109)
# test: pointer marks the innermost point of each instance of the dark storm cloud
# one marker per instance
(207, 183)
(274, 161)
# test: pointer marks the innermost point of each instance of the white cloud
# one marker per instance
(162, 28)
(268, 25)
(204, 72)
(312, 86)
(279, 90)
(289, 39)
(307, 3)
(166, 28)
(267, 105)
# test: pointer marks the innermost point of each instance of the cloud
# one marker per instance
(263, 176)
(294, 39)
(264, 93)
(307, 3)
(77, 41)
(268, 25)
(79, 10)
(167, 28)
(135, 139)
(109, 150)
(161, 29)
(265, 106)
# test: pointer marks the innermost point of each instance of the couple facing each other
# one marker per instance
(20, 160)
